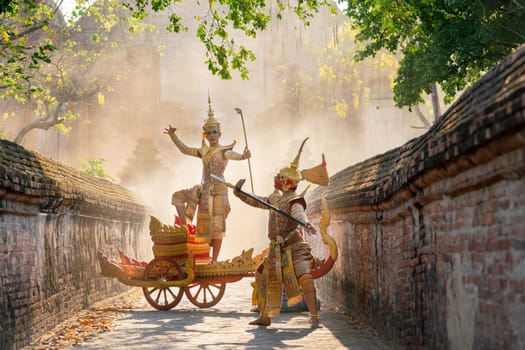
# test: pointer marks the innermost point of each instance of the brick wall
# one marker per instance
(53, 221)
(432, 234)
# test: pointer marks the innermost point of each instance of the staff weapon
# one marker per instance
(238, 110)
(258, 200)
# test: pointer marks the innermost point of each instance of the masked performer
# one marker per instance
(210, 197)
(289, 262)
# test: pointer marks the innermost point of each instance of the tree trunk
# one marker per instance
(435, 102)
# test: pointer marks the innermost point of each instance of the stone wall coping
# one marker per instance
(32, 178)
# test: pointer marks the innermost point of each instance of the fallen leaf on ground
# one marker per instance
(88, 322)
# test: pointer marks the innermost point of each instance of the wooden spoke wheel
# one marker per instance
(163, 269)
(205, 294)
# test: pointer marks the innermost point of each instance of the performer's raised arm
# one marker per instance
(246, 199)
(190, 151)
(232, 155)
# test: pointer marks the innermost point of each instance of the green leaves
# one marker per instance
(451, 43)
(19, 61)
(94, 167)
(223, 20)
(339, 86)
(223, 54)
(175, 24)
(59, 68)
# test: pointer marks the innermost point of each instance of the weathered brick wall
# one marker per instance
(432, 234)
(53, 221)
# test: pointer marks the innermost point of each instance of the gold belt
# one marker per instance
(293, 238)
(217, 189)
(289, 240)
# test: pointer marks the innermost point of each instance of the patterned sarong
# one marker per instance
(279, 272)
(274, 281)
(290, 283)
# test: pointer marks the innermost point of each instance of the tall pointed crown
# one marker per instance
(317, 175)
(210, 121)
(291, 172)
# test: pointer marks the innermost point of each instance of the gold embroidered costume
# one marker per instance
(285, 261)
(210, 198)
(289, 262)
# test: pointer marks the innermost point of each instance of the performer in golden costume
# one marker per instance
(209, 196)
(289, 262)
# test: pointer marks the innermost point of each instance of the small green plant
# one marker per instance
(3, 135)
(94, 167)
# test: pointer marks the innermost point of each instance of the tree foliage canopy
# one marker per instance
(21, 57)
(50, 65)
(338, 85)
(450, 42)
(220, 18)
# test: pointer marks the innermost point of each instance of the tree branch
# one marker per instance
(421, 116)
(42, 123)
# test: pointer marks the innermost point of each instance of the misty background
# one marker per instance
(167, 83)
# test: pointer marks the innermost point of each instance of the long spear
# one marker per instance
(238, 110)
(258, 200)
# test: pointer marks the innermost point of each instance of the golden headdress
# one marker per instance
(317, 175)
(210, 121)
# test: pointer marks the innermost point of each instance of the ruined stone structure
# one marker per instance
(53, 221)
(432, 234)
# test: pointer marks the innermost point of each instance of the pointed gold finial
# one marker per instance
(291, 171)
(210, 121)
(295, 163)
(210, 111)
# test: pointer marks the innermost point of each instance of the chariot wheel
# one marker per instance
(205, 294)
(163, 269)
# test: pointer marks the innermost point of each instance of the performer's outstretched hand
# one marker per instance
(170, 130)
(239, 184)
(310, 229)
(246, 154)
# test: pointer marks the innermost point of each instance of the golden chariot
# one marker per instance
(182, 265)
